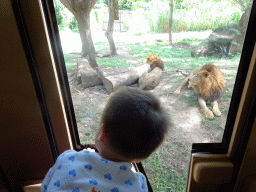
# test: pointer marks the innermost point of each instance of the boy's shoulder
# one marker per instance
(73, 156)
(84, 155)
(72, 152)
(73, 164)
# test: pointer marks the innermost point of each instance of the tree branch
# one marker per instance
(68, 4)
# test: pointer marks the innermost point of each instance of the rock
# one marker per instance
(205, 49)
(218, 43)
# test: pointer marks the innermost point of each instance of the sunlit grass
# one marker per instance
(162, 177)
(101, 46)
(70, 60)
(179, 57)
(116, 61)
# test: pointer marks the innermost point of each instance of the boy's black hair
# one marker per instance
(134, 122)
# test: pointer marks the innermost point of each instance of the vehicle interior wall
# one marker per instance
(246, 180)
(210, 180)
(25, 151)
(42, 52)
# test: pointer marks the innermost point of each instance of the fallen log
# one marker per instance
(85, 75)
(150, 80)
(124, 79)
(90, 78)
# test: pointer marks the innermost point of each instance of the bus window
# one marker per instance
(198, 38)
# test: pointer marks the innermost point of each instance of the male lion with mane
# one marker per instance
(209, 82)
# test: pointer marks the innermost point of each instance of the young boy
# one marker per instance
(133, 125)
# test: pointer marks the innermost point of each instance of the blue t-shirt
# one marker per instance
(86, 171)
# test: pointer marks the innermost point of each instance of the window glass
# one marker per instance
(210, 31)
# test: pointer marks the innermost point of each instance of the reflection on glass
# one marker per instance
(209, 31)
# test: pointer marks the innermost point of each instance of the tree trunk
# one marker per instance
(81, 10)
(109, 32)
(115, 7)
(83, 22)
(237, 43)
(170, 22)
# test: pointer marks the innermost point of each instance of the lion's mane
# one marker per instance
(208, 81)
(155, 61)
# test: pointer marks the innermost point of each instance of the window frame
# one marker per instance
(242, 71)
(211, 148)
(53, 32)
(26, 42)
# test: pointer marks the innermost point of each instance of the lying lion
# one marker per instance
(209, 82)
(155, 61)
(150, 80)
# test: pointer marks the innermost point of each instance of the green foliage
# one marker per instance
(187, 15)
(153, 15)
(122, 4)
(63, 16)
(58, 9)
(162, 24)
(140, 5)
(73, 25)
(243, 3)
(96, 16)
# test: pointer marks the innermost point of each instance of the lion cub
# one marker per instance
(209, 82)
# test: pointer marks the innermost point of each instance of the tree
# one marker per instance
(170, 21)
(244, 4)
(112, 9)
(237, 43)
(81, 10)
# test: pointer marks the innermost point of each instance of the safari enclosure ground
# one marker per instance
(167, 167)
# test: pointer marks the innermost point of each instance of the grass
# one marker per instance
(114, 62)
(178, 57)
(163, 178)
(70, 60)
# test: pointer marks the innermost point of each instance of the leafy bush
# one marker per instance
(153, 16)
(64, 17)
(188, 16)
(58, 9)
(122, 4)
(73, 25)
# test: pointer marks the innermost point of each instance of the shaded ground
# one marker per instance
(189, 124)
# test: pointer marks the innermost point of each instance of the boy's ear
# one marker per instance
(104, 136)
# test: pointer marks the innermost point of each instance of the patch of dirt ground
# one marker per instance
(189, 124)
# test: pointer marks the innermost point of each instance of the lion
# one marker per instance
(209, 82)
(155, 61)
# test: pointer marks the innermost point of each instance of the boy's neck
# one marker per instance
(112, 156)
